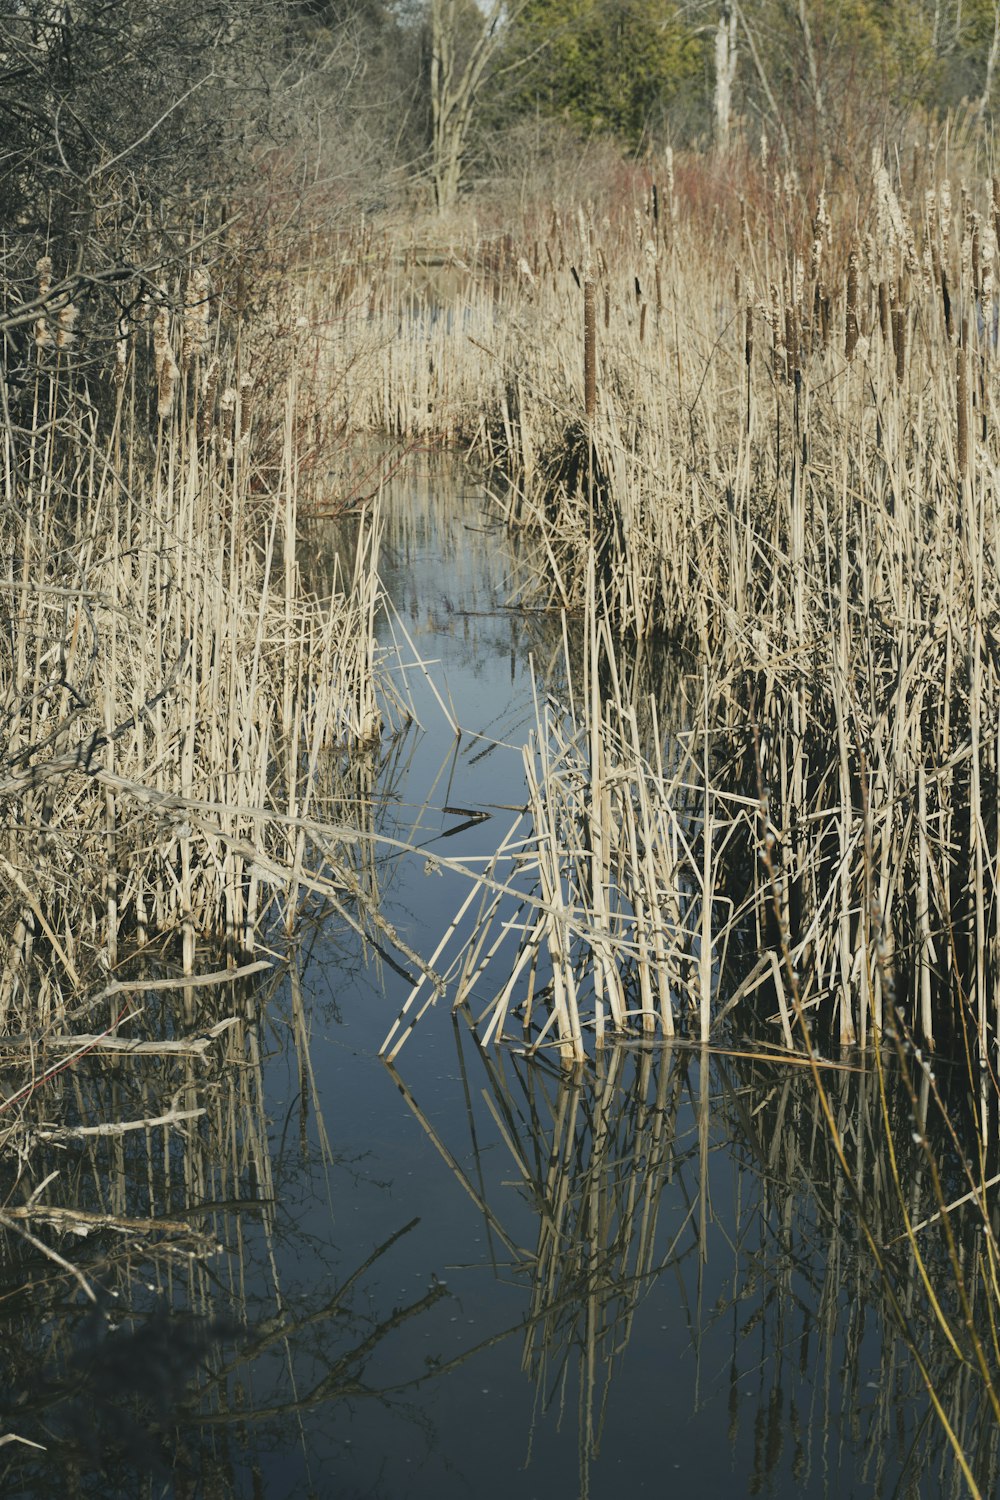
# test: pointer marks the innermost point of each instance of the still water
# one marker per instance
(474, 1275)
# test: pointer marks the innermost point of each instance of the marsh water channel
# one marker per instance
(473, 1275)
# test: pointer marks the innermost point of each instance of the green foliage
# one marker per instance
(603, 65)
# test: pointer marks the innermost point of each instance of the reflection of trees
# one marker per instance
(147, 1336)
(763, 1236)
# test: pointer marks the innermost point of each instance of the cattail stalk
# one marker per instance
(962, 383)
(589, 349)
(852, 327)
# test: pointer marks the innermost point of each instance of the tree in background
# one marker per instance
(609, 66)
(464, 45)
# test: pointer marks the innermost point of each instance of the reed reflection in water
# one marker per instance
(697, 1251)
(168, 1324)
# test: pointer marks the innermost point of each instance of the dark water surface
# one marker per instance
(653, 1282)
(476, 1276)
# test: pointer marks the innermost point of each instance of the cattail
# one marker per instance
(873, 261)
(989, 282)
(899, 334)
(246, 387)
(910, 254)
(195, 340)
(944, 211)
(928, 276)
(976, 232)
(946, 303)
(227, 413)
(852, 324)
(164, 363)
(798, 283)
(821, 313)
(589, 349)
(210, 381)
(43, 270)
(65, 323)
(822, 237)
(121, 352)
(775, 319)
(965, 262)
(995, 206)
(792, 365)
(884, 312)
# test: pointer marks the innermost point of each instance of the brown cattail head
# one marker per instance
(852, 326)
(976, 236)
(227, 413)
(246, 403)
(589, 349)
(884, 311)
(899, 334)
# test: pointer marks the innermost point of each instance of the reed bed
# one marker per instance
(788, 464)
(772, 453)
(172, 696)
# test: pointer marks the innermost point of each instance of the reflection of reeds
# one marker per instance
(616, 1165)
(144, 1309)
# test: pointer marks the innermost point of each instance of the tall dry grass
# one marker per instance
(789, 468)
(172, 696)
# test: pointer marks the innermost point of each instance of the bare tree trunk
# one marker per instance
(815, 84)
(761, 72)
(454, 92)
(725, 74)
(991, 63)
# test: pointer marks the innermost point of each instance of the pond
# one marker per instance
(475, 1273)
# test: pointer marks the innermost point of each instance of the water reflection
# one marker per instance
(168, 1321)
(690, 1216)
(479, 1275)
